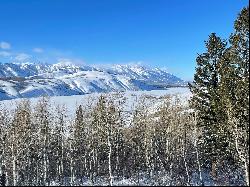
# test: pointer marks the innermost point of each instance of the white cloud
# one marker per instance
(67, 61)
(63, 60)
(4, 54)
(5, 45)
(38, 50)
(22, 57)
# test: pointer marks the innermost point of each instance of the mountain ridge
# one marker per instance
(26, 80)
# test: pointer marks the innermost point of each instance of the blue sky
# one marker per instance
(163, 33)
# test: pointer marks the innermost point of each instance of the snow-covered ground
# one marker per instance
(131, 99)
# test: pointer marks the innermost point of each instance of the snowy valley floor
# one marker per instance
(131, 98)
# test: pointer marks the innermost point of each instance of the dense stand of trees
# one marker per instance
(40, 146)
(170, 144)
(221, 100)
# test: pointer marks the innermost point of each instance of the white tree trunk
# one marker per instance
(14, 166)
(186, 166)
(14, 171)
(247, 172)
(242, 154)
(44, 169)
(171, 174)
(243, 159)
(197, 152)
(71, 172)
(110, 166)
(91, 166)
(71, 165)
(45, 162)
(117, 159)
(37, 175)
(62, 167)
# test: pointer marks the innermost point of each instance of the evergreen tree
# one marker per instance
(221, 98)
(206, 100)
(234, 89)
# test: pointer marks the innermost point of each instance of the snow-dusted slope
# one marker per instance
(36, 79)
(132, 98)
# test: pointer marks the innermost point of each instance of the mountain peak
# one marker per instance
(65, 78)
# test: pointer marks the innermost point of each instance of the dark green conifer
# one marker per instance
(206, 99)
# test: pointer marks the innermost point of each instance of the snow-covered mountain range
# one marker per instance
(19, 80)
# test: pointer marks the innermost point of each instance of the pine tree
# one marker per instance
(206, 100)
(221, 98)
(234, 89)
